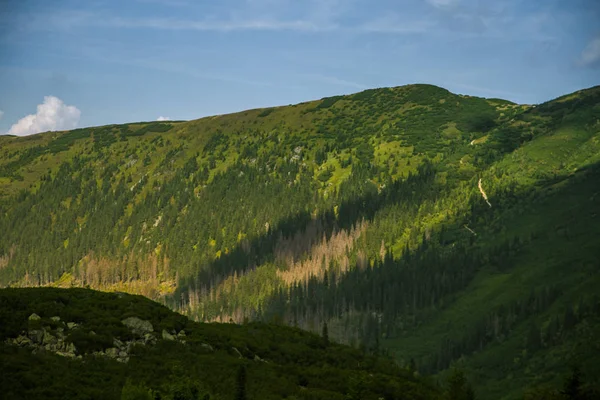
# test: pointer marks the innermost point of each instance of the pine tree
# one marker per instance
(240, 393)
(570, 320)
(457, 387)
(325, 334)
(469, 393)
(572, 386)
(135, 392)
(412, 365)
(552, 331)
(534, 341)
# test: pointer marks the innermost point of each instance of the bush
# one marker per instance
(328, 102)
(364, 152)
(153, 127)
(135, 392)
(506, 139)
(325, 175)
(266, 112)
(479, 122)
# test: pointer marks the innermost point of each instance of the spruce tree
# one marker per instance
(534, 341)
(325, 334)
(457, 387)
(572, 386)
(412, 365)
(240, 393)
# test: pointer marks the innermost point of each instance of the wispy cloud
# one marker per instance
(463, 18)
(504, 21)
(389, 24)
(214, 25)
(167, 3)
(175, 69)
(62, 20)
(253, 15)
(67, 20)
(590, 56)
(395, 25)
(1, 114)
(442, 3)
(161, 118)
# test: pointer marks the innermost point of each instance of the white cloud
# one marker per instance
(590, 56)
(161, 118)
(51, 115)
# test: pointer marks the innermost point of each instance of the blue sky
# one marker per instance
(93, 62)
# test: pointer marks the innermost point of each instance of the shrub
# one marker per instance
(135, 392)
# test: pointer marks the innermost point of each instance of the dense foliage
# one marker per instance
(276, 362)
(364, 214)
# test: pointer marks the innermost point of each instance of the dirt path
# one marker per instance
(483, 193)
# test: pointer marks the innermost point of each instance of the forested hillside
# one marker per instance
(170, 357)
(438, 228)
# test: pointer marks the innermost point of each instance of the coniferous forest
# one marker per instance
(448, 245)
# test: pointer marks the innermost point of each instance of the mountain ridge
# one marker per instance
(400, 87)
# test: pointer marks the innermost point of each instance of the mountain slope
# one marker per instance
(531, 312)
(365, 212)
(233, 177)
(200, 361)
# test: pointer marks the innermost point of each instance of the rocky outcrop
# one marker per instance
(138, 326)
(258, 359)
(237, 352)
(207, 347)
(53, 335)
(45, 338)
(167, 336)
(34, 317)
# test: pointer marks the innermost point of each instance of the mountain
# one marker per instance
(82, 344)
(442, 229)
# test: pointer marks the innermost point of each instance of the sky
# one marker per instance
(77, 63)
